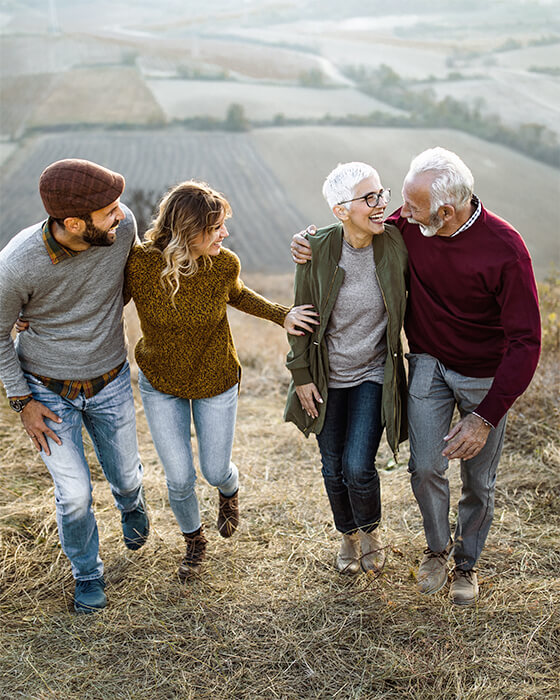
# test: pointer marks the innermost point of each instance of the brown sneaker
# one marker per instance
(196, 549)
(432, 572)
(228, 514)
(348, 557)
(464, 587)
(373, 552)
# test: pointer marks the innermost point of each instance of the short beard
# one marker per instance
(96, 236)
(429, 231)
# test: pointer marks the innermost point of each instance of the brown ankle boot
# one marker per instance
(196, 549)
(228, 514)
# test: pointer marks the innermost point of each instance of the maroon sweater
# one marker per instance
(473, 305)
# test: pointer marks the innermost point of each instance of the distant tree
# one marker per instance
(544, 40)
(545, 70)
(143, 204)
(312, 78)
(425, 110)
(128, 57)
(236, 119)
(509, 45)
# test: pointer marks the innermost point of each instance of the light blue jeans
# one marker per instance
(110, 419)
(434, 391)
(169, 420)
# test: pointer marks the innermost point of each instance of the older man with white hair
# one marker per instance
(473, 329)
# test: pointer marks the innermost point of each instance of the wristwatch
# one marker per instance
(19, 404)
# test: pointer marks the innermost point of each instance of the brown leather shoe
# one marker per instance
(228, 514)
(464, 587)
(432, 572)
(196, 549)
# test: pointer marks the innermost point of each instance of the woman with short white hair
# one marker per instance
(348, 379)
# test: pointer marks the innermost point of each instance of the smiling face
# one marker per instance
(210, 242)
(359, 218)
(417, 206)
(101, 225)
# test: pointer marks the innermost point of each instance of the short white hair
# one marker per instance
(453, 182)
(341, 182)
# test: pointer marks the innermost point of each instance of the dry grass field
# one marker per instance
(269, 617)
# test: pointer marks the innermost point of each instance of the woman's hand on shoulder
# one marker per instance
(303, 316)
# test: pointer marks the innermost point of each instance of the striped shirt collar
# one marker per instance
(56, 252)
(478, 208)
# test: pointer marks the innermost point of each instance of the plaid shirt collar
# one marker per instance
(478, 209)
(56, 252)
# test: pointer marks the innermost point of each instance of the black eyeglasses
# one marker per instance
(372, 199)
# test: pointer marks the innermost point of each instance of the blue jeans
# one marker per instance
(348, 443)
(169, 420)
(434, 391)
(110, 419)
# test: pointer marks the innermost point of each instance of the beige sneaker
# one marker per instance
(432, 572)
(373, 553)
(348, 558)
(464, 587)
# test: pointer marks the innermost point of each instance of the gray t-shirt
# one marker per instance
(74, 308)
(356, 330)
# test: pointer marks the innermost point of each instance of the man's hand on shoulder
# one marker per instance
(300, 248)
(467, 438)
(33, 418)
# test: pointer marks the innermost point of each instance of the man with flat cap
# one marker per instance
(65, 277)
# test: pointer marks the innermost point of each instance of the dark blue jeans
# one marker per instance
(348, 443)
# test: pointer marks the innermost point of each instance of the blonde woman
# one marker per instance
(182, 279)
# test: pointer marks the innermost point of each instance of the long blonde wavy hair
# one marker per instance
(186, 211)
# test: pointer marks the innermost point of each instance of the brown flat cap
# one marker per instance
(74, 187)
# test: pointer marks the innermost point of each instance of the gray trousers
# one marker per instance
(434, 391)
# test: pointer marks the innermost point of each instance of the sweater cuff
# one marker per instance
(486, 422)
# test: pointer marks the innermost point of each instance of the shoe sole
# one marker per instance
(138, 542)
(433, 590)
(469, 601)
(192, 573)
(227, 530)
(87, 609)
(348, 570)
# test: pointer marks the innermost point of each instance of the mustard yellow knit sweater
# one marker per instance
(188, 351)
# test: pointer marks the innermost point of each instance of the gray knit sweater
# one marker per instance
(74, 308)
